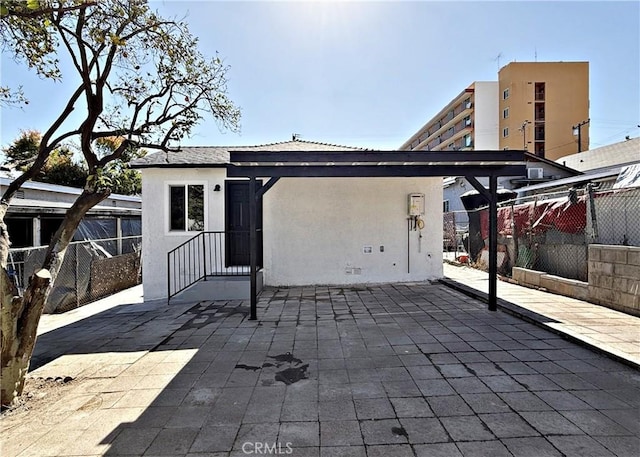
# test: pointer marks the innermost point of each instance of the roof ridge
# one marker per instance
(277, 143)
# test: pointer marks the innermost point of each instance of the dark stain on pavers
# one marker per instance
(247, 367)
(399, 431)
(293, 374)
(288, 357)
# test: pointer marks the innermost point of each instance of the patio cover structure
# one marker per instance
(368, 164)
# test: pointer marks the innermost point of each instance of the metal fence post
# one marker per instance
(592, 213)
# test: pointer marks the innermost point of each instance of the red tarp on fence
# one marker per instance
(538, 217)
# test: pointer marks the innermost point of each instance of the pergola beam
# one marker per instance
(368, 164)
(368, 171)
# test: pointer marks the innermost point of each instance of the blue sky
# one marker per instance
(371, 73)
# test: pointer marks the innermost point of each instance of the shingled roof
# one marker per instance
(218, 156)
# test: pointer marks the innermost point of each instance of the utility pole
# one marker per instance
(523, 129)
(577, 130)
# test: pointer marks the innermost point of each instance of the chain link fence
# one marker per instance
(550, 232)
(91, 270)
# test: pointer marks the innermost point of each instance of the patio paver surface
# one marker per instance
(382, 370)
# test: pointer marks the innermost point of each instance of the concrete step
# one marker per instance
(219, 288)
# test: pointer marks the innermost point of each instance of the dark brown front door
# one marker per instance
(237, 223)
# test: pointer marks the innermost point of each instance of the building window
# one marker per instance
(467, 121)
(505, 94)
(186, 207)
(505, 113)
(505, 132)
(445, 206)
(467, 141)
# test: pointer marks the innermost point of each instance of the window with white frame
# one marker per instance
(445, 206)
(186, 207)
(505, 132)
(505, 113)
(505, 94)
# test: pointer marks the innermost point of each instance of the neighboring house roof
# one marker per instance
(607, 174)
(530, 159)
(218, 156)
(40, 207)
(56, 188)
(601, 164)
(622, 153)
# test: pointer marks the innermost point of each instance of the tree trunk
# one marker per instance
(21, 315)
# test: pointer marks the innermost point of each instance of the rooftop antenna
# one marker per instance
(497, 59)
(295, 136)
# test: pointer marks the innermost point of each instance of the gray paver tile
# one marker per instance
(437, 450)
(266, 432)
(401, 389)
(524, 401)
(571, 381)
(133, 440)
(508, 425)
(579, 445)
(395, 450)
(424, 372)
(502, 384)
(628, 418)
(373, 408)
(434, 387)
(382, 431)
(562, 400)
(411, 407)
(466, 428)
(620, 445)
(600, 399)
(486, 403)
(334, 392)
(593, 423)
(300, 434)
(188, 417)
(468, 385)
(536, 382)
(424, 430)
(217, 438)
(531, 447)
(452, 405)
(551, 422)
(343, 451)
(336, 410)
(294, 411)
(173, 441)
(340, 433)
(483, 449)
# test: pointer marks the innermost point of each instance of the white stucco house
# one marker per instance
(337, 231)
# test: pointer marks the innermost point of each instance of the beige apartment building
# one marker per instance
(541, 104)
(533, 106)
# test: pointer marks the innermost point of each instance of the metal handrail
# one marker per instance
(207, 254)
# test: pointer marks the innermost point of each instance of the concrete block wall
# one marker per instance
(556, 284)
(614, 277)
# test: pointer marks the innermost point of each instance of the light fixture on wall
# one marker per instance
(216, 188)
